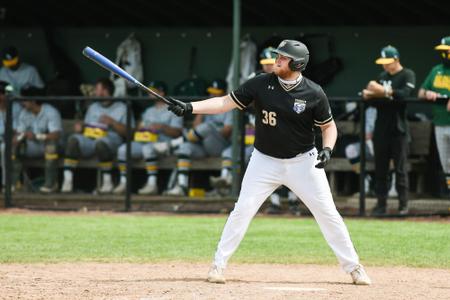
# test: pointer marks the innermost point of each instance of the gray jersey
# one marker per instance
(24, 77)
(213, 143)
(16, 108)
(220, 120)
(46, 121)
(117, 111)
(160, 115)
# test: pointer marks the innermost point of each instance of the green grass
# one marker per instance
(138, 238)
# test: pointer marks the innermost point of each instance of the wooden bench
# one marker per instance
(419, 149)
(165, 163)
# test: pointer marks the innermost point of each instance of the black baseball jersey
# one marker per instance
(285, 115)
(391, 115)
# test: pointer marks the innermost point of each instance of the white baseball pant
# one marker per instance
(265, 174)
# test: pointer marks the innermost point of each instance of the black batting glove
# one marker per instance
(179, 108)
(323, 157)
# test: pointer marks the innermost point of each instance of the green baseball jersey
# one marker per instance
(438, 80)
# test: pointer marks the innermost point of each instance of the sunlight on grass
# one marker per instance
(137, 238)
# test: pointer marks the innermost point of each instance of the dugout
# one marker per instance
(169, 30)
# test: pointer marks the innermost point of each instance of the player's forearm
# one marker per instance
(172, 131)
(421, 93)
(197, 121)
(120, 128)
(53, 136)
(226, 131)
(216, 105)
(401, 93)
(329, 135)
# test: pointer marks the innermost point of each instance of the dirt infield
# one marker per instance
(187, 281)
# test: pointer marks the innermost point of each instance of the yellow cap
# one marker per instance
(8, 63)
(267, 61)
(445, 44)
(215, 91)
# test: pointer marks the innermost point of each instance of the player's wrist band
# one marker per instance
(189, 109)
(388, 92)
(41, 136)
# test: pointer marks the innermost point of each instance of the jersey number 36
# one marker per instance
(269, 118)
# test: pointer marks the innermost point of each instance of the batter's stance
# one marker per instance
(287, 106)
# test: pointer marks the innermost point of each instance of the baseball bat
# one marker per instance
(112, 67)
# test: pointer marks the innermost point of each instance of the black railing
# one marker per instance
(128, 100)
(9, 135)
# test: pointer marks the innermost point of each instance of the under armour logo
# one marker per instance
(270, 87)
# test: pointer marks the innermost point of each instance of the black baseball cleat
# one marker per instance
(378, 211)
(294, 208)
(403, 210)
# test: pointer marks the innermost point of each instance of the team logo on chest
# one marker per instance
(299, 106)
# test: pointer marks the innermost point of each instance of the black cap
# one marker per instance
(9, 53)
(158, 85)
(10, 56)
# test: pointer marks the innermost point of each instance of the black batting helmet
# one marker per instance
(295, 50)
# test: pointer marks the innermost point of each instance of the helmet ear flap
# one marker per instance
(296, 65)
(292, 65)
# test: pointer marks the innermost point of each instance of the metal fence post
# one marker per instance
(128, 158)
(7, 155)
(362, 144)
(237, 118)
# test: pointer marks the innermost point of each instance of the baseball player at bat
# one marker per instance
(222, 183)
(287, 107)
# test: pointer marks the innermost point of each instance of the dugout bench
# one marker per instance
(417, 161)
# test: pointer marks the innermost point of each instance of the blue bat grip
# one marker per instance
(107, 64)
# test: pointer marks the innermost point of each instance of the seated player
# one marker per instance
(39, 131)
(209, 136)
(157, 127)
(99, 135)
